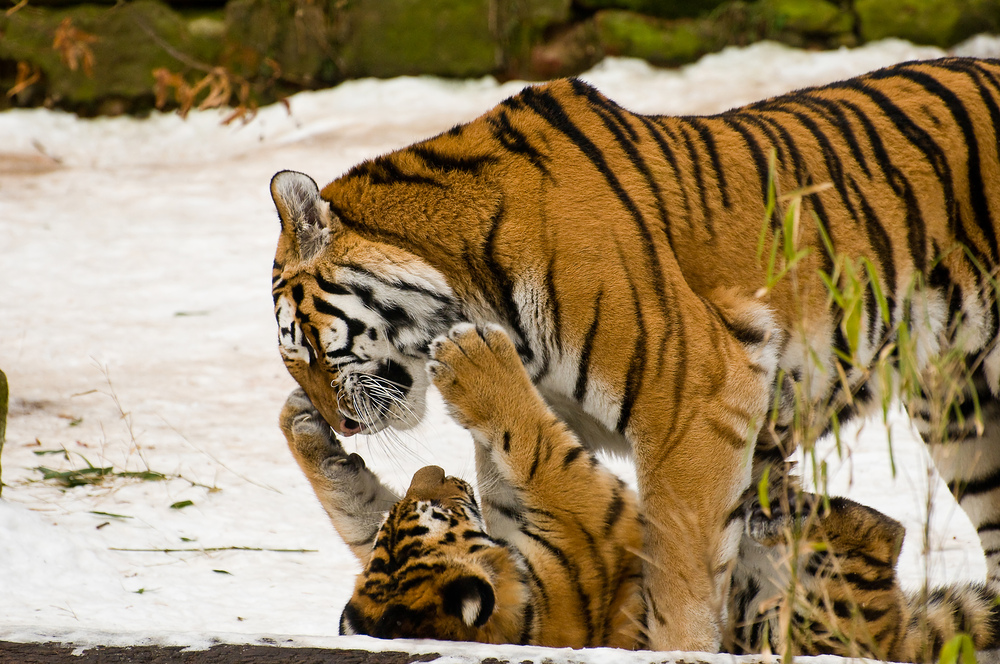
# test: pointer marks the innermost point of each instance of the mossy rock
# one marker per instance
(525, 25)
(661, 42)
(568, 51)
(298, 35)
(386, 38)
(939, 22)
(657, 8)
(807, 17)
(800, 23)
(125, 44)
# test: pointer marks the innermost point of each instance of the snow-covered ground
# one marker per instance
(137, 333)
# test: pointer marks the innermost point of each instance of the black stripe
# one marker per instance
(384, 171)
(977, 190)
(832, 112)
(412, 531)
(699, 181)
(774, 131)
(713, 153)
(875, 321)
(537, 458)
(506, 441)
(475, 534)
(583, 370)
(636, 367)
(529, 622)
(656, 125)
(914, 221)
(548, 108)
(571, 455)
(604, 104)
(331, 287)
(572, 573)
(393, 314)
(511, 513)
(412, 582)
(354, 327)
(614, 121)
(614, 511)
(513, 140)
(831, 158)
(862, 583)
(980, 73)
(760, 160)
(746, 335)
(878, 238)
(920, 139)
(962, 488)
(469, 164)
(501, 286)
(553, 298)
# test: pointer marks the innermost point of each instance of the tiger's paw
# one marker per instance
(309, 436)
(479, 374)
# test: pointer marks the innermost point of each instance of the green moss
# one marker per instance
(806, 16)
(132, 40)
(297, 34)
(660, 42)
(445, 38)
(523, 24)
(939, 22)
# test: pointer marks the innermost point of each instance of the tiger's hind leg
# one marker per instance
(352, 495)
(966, 453)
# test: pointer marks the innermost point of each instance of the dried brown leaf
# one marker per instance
(27, 75)
(73, 45)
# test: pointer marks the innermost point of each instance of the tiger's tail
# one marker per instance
(946, 612)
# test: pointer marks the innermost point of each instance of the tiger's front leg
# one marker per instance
(693, 442)
(352, 495)
(487, 391)
(566, 513)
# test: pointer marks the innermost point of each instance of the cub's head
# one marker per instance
(434, 572)
(355, 315)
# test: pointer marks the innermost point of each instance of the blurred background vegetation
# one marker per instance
(132, 56)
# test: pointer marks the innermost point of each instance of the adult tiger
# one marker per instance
(618, 250)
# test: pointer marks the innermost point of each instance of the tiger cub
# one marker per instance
(570, 573)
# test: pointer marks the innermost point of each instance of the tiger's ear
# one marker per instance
(304, 215)
(470, 598)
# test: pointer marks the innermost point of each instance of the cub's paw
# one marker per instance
(309, 436)
(479, 373)
(344, 469)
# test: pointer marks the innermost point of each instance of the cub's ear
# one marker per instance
(470, 598)
(304, 215)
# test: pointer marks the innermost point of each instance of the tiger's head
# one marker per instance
(435, 573)
(355, 315)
